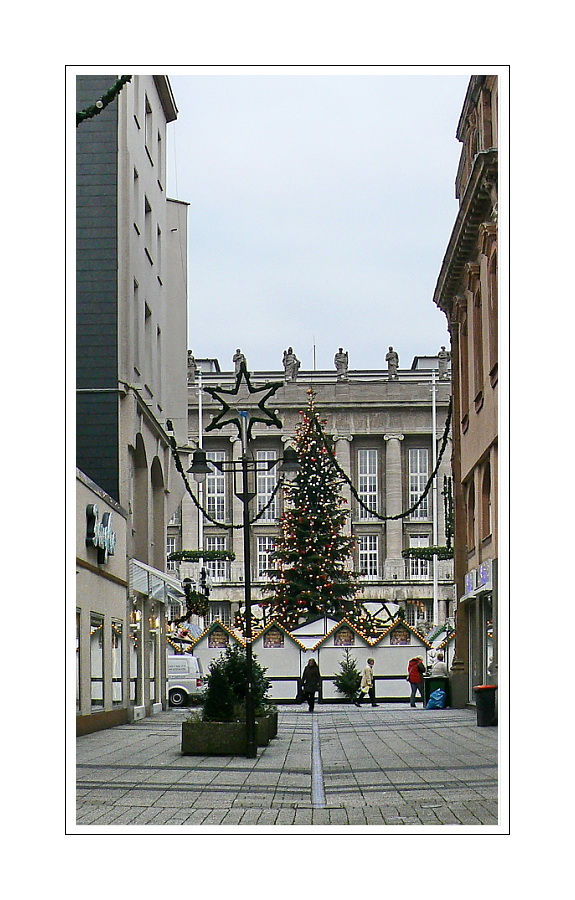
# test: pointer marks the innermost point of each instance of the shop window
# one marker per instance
(117, 663)
(97, 661)
(78, 660)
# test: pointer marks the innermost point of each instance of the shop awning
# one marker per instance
(144, 579)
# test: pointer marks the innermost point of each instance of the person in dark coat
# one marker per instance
(415, 670)
(310, 682)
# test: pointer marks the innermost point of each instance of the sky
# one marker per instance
(321, 206)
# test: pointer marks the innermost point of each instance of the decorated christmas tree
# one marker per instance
(312, 554)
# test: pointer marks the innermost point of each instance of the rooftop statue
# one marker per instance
(341, 363)
(291, 364)
(392, 360)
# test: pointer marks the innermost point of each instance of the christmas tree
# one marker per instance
(311, 576)
(349, 679)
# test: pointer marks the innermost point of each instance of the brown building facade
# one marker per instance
(466, 291)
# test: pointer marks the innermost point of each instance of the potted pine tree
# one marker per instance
(222, 729)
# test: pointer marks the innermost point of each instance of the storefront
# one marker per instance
(150, 594)
(480, 599)
(101, 609)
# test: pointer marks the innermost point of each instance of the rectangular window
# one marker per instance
(172, 542)
(216, 487)
(78, 619)
(217, 568)
(117, 660)
(266, 484)
(221, 612)
(418, 476)
(367, 545)
(419, 568)
(266, 545)
(367, 482)
(148, 131)
(97, 660)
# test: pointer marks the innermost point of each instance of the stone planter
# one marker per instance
(225, 738)
(267, 727)
(214, 739)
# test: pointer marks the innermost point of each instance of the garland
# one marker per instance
(428, 553)
(423, 495)
(103, 102)
(180, 468)
(196, 555)
(343, 475)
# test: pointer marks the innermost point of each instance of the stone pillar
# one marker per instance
(236, 535)
(343, 456)
(394, 565)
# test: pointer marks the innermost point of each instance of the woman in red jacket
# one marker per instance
(415, 671)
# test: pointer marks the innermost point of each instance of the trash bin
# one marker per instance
(431, 683)
(485, 702)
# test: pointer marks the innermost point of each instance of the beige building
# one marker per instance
(382, 430)
(467, 293)
(131, 340)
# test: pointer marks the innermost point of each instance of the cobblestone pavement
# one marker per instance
(383, 767)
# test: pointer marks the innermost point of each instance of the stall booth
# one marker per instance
(212, 644)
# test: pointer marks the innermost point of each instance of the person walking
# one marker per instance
(310, 683)
(415, 671)
(367, 685)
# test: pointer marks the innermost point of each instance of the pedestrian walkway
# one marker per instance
(340, 766)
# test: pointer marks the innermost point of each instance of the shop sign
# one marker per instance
(484, 573)
(470, 581)
(99, 534)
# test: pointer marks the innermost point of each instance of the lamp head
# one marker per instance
(199, 468)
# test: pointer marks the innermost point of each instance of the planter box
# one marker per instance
(266, 728)
(214, 739)
(225, 738)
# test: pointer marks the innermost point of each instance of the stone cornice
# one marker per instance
(475, 209)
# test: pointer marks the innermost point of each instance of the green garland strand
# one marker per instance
(103, 102)
(423, 495)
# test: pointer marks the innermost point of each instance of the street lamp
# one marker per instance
(243, 417)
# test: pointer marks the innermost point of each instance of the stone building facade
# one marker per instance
(382, 430)
(131, 349)
(467, 293)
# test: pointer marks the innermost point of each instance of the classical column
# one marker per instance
(236, 537)
(394, 566)
(343, 455)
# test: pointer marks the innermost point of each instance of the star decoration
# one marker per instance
(242, 402)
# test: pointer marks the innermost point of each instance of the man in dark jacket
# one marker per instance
(415, 671)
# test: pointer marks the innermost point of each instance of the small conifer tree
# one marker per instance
(219, 697)
(348, 680)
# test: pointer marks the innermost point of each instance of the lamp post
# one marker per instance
(246, 467)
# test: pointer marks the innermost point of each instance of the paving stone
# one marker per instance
(374, 773)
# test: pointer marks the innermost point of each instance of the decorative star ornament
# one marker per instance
(241, 402)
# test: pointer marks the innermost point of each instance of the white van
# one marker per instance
(185, 679)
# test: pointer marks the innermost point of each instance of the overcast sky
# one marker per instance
(320, 211)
